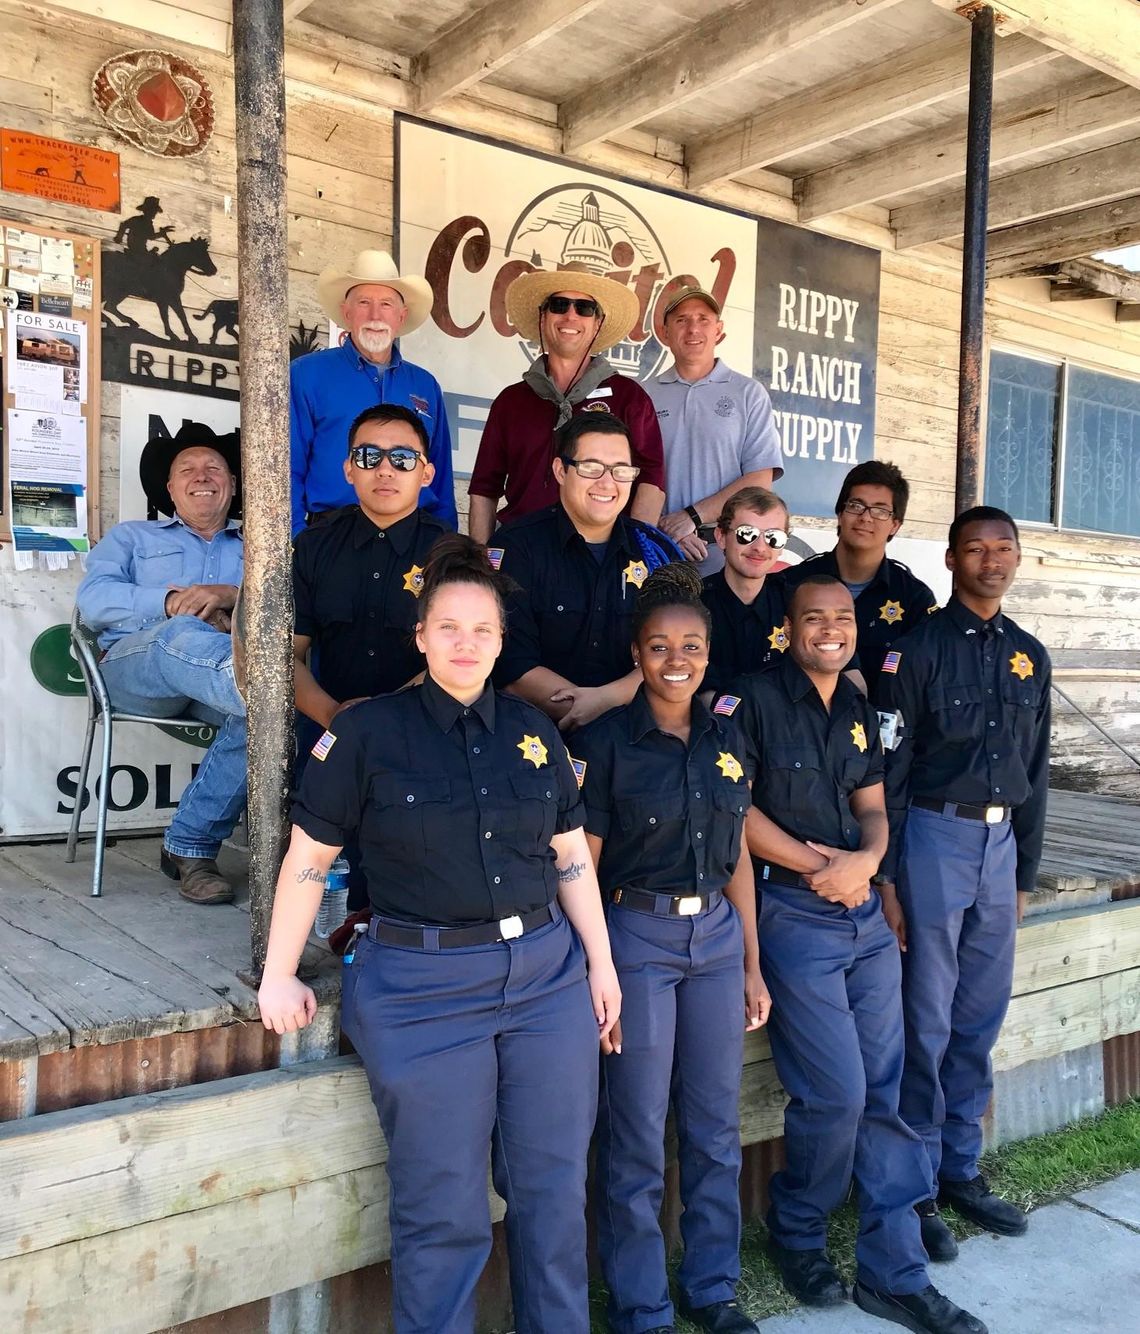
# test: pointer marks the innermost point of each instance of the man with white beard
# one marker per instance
(330, 388)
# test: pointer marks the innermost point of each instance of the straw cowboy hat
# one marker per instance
(160, 452)
(374, 266)
(528, 291)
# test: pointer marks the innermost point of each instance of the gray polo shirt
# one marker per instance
(714, 430)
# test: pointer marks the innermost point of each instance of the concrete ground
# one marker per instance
(1076, 1271)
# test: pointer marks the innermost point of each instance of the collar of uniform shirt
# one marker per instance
(719, 373)
(400, 535)
(970, 622)
(798, 685)
(567, 532)
(641, 720)
(358, 362)
(446, 710)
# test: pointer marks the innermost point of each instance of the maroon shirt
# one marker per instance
(517, 447)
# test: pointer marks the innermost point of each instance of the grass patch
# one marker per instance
(1030, 1173)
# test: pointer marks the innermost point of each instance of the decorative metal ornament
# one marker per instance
(156, 101)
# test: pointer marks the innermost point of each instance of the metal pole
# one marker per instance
(259, 87)
(974, 255)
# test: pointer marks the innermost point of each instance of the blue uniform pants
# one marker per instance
(682, 981)
(837, 1039)
(958, 888)
(491, 1048)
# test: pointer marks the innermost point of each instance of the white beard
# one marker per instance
(374, 341)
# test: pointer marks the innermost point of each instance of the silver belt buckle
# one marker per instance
(689, 907)
(995, 814)
(510, 928)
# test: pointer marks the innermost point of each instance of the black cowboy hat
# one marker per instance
(160, 452)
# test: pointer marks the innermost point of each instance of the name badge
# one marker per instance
(600, 393)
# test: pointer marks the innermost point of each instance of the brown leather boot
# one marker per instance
(199, 879)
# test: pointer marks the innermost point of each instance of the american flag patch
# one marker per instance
(323, 746)
(579, 767)
(727, 704)
(891, 661)
(495, 556)
(421, 405)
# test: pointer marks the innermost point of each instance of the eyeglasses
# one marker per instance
(584, 306)
(880, 513)
(402, 457)
(775, 538)
(592, 469)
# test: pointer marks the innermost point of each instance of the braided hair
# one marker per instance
(458, 559)
(672, 585)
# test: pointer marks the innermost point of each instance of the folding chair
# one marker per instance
(101, 711)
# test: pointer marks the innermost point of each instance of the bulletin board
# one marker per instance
(50, 301)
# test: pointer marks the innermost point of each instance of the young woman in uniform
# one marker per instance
(666, 795)
(478, 995)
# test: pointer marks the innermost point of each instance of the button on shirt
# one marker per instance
(893, 603)
(453, 806)
(670, 814)
(746, 637)
(130, 572)
(807, 760)
(973, 703)
(327, 392)
(356, 590)
(572, 614)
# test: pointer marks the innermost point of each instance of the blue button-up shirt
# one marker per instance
(328, 391)
(130, 572)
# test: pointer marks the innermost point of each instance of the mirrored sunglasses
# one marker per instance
(402, 457)
(592, 469)
(775, 538)
(559, 305)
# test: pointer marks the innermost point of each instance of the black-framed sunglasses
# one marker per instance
(592, 469)
(775, 538)
(402, 457)
(587, 307)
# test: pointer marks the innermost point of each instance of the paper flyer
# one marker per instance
(47, 361)
(49, 516)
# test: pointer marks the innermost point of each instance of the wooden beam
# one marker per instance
(295, 7)
(485, 40)
(1099, 280)
(1050, 119)
(725, 46)
(1054, 187)
(1025, 249)
(872, 95)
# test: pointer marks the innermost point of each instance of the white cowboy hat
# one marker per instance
(374, 266)
(529, 290)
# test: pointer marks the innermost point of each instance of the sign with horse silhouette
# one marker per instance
(163, 325)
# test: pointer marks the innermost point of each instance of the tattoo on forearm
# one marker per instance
(571, 872)
(310, 875)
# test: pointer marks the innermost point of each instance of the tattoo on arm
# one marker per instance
(571, 872)
(310, 875)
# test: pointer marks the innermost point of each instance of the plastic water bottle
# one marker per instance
(334, 901)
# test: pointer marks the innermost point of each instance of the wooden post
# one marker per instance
(259, 86)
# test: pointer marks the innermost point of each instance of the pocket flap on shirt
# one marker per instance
(540, 784)
(410, 789)
(954, 697)
(789, 757)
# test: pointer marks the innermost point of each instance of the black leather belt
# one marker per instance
(457, 937)
(986, 814)
(774, 874)
(666, 904)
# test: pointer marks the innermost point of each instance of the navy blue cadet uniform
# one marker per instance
(465, 1026)
(574, 607)
(670, 817)
(892, 604)
(745, 637)
(972, 698)
(836, 1028)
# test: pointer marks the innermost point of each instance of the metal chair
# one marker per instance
(100, 710)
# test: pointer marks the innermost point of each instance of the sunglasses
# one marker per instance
(559, 305)
(775, 538)
(402, 457)
(592, 469)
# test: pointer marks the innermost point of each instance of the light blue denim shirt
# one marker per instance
(130, 572)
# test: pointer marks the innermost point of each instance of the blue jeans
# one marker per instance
(185, 667)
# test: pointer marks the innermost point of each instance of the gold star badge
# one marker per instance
(533, 750)
(859, 736)
(414, 581)
(778, 639)
(891, 612)
(635, 573)
(729, 765)
(1021, 666)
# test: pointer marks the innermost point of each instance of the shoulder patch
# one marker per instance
(323, 746)
(891, 661)
(727, 705)
(579, 767)
(495, 556)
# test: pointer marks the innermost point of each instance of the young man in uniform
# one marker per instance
(965, 709)
(889, 599)
(816, 831)
(579, 565)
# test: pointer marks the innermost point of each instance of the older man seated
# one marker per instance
(160, 592)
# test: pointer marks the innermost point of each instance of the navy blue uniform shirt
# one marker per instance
(745, 637)
(356, 590)
(807, 760)
(893, 603)
(670, 813)
(572, 613)
(973, 700)
(453, 806)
